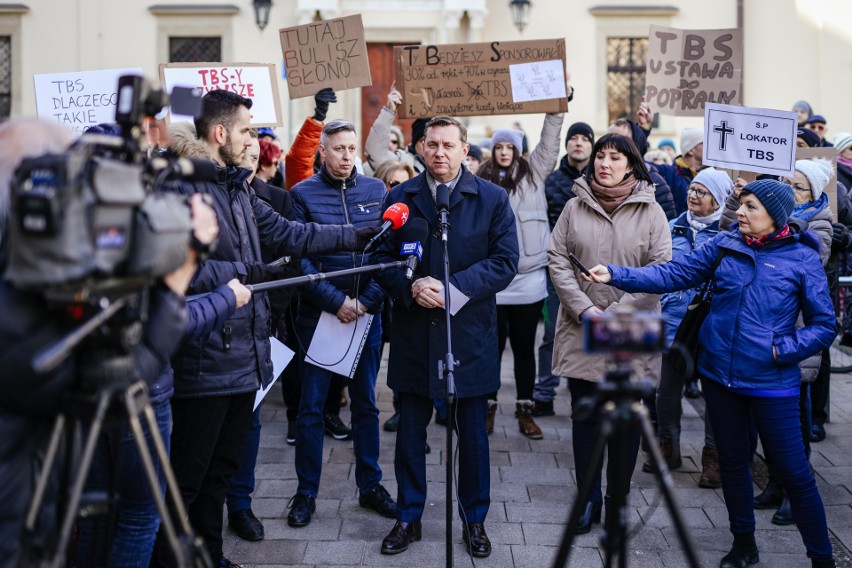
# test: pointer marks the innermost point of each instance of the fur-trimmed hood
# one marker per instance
(186, 144)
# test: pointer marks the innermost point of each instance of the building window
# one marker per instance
(625, 75)
(190, 49)
(5, 76)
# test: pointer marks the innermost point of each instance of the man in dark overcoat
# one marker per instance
(483, 252)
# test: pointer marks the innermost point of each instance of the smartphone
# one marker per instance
(576, 262)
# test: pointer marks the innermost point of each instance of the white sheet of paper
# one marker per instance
(538, 81)
(457, 300)
(281, 357)
(335, 347)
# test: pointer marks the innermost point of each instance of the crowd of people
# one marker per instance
(655, 224)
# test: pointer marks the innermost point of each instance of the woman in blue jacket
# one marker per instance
(751, 348)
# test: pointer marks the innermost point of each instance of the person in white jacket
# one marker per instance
(519, 305)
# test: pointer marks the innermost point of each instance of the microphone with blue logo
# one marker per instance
(412, 235)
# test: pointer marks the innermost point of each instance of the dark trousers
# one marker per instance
(241, 484)
(584, 431)
(208, 438)
(518, 323)
(819, 391)
(778, 421)
(474, 475)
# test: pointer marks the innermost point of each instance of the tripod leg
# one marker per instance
(664, 480)
(136, 401)
(583, 493)
(614, 539)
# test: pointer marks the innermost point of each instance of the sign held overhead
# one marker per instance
(470, 79)
(754, 139)
(330, 53)
(688, 68)
(255, 81)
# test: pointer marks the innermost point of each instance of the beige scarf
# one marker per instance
(611, 197)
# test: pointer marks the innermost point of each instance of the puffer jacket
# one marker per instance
(235, 358)
(662, 192)
(637, 234)
(684, 240)
(558, 189)
(326, 200)
(757, 297)
(299, 161)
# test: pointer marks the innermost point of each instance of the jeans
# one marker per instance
(241, 484)
(545, 387)
(365, 416)
(585, 431)
(778, 421)
(819, 391)
(517, 322)
(137, 515)
(670, 405)
(208, 438)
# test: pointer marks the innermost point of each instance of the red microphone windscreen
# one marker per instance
(397, 214)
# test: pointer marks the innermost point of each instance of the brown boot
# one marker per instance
(489, 420)
(526, 423)
(671, 453)
(710, 478)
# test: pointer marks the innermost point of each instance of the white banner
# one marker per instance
(79, 99)
(752, 139)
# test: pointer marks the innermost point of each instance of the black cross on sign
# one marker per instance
(723, 130)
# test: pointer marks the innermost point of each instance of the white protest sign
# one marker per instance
(281, 356)
(255, 81)
(538, 81)
(754, 139)
(79, 99)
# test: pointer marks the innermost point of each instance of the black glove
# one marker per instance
(322, 100)
(258, 272)
(839, 237)
(363, 236)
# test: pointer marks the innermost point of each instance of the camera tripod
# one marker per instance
(111, 404)
(617, 402)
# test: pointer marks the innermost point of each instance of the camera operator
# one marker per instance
(216, 377)
(29, 400)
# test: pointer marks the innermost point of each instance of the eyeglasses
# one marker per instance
(700, 193)
(797, 187)
(394, 183)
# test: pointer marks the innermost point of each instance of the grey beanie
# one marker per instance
(513, 137)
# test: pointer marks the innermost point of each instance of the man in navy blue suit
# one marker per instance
(483, 251)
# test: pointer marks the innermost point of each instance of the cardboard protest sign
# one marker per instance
(687, 68)
(256, 81)
(830, 155)
(79, 99)
(470, 79)
(754, 139)
(330, 53)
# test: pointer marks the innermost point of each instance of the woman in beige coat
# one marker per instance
(614, 219)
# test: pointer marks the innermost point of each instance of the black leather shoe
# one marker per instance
(771, 497)
(392, 423)
(592, 514)
(379, 500)
(474, 536)
(817, 432)
(690, 390)
(301, 508)
(784, 514)
(246, 525)
(401, 535)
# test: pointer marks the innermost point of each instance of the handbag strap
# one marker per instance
(709, 283)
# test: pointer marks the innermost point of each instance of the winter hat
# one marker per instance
(475, 152)
(667, 142)
(689, 139)
(776, 197)
(580, 128)
(718, 183)
(266, 131)
(513, 137)
(418, 130)
(816, 118)
(805, 106)
(842, 141)
(818, 172)
(810, 137)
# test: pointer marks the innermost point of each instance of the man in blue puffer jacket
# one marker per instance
(217, 376)
(339, 194)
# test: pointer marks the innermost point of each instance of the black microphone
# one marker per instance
(413, 235)
(442, 202)
(394, 218)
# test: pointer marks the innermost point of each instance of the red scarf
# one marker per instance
(760, 242)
